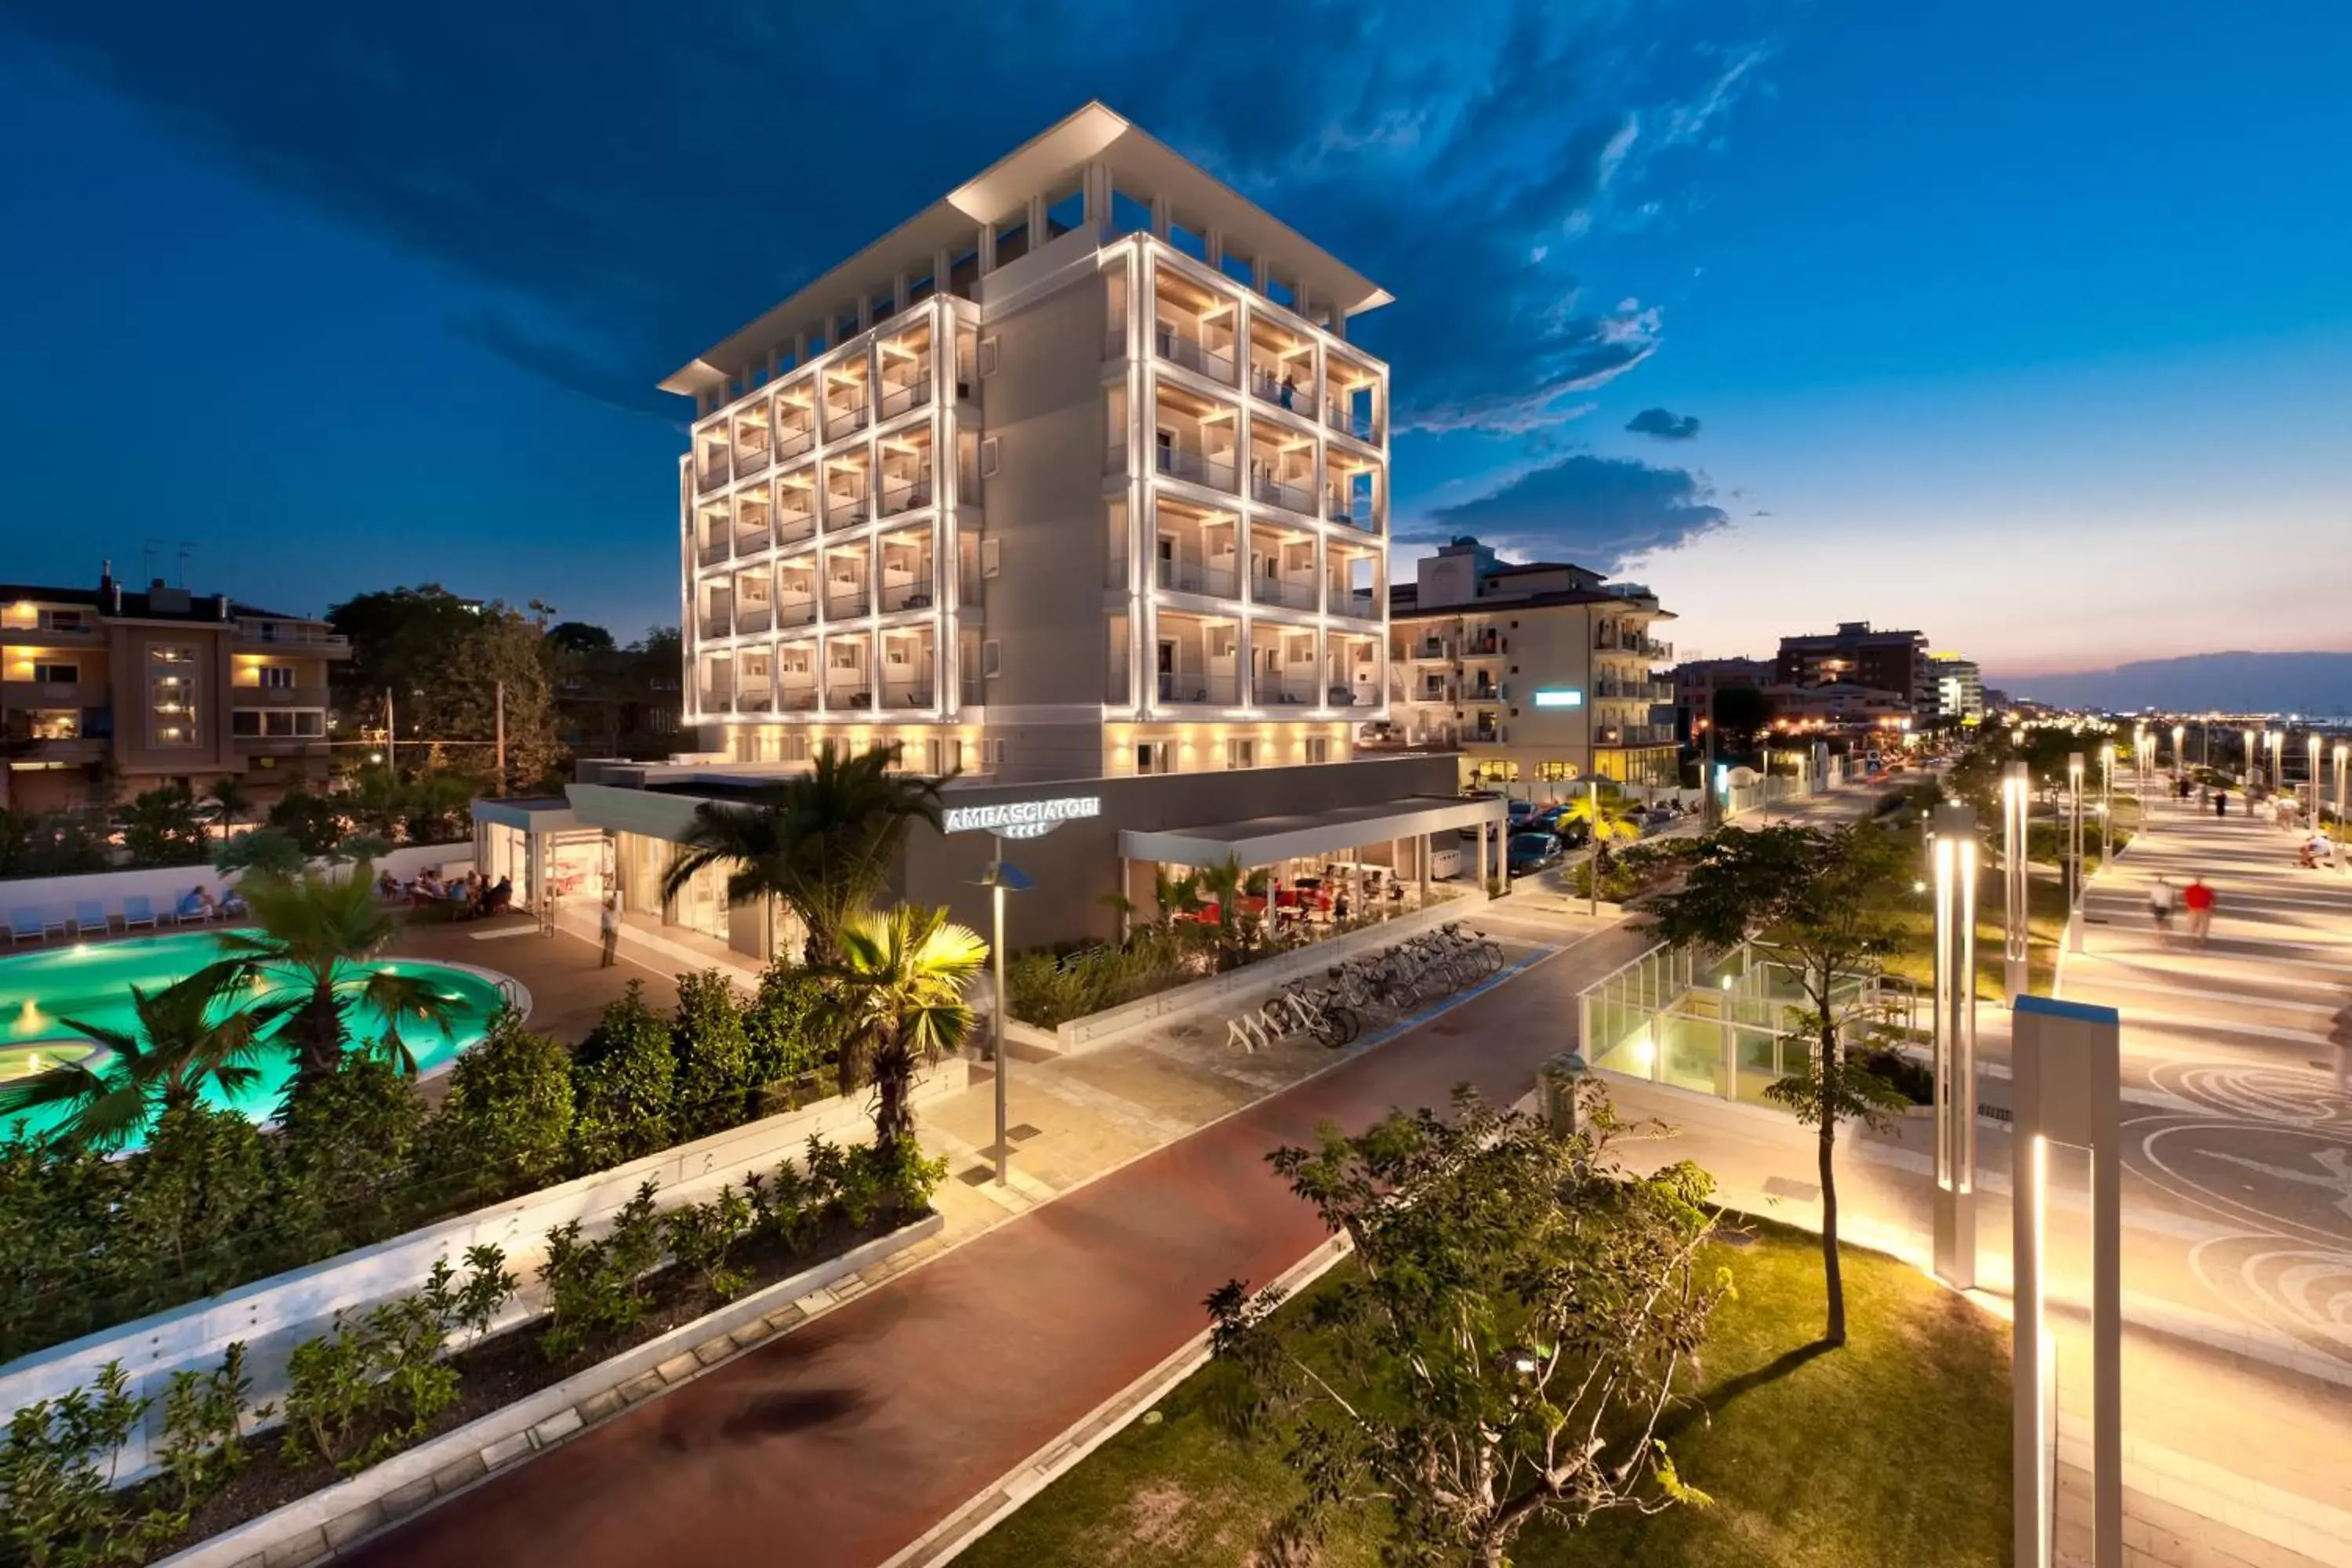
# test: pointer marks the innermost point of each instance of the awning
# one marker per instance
(1265, 840)
(527, 814)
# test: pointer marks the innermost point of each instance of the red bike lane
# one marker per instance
(836, 1444)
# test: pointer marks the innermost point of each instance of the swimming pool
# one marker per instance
(92, 982)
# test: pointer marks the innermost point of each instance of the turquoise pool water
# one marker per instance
(92, 982)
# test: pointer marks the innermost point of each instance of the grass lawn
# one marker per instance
(1894, 1450)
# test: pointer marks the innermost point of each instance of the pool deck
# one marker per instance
(568, 989)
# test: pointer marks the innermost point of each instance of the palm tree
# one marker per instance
(315, 931)
(229, 794)
(823, 842)
(1223, 885)
(205, 1028)
(897, 1001)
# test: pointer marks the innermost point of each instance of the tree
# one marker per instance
(713, 1055)
(823, 842)
(203, 1030)
(270, 850)
(342, 1155)
(1741, 714)
(314, 825)
(624, 1085)
(233, 798)
(898, 1002)
(315, 938)
(1822, 899)
(1520, 1314)
(444, 659)
(580, 636)
(160, 828)
(506, 1124)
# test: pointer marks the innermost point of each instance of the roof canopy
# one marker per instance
(1265, 840)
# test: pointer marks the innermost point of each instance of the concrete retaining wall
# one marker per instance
(163, 886)
(273, 1315)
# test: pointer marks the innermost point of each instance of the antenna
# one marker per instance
(187, 548)
(147, 548)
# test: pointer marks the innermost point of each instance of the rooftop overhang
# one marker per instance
(534, 814)
(1266, 840)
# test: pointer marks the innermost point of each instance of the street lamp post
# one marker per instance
(2074, 852)
(2311, 770)
(2180, 761)
(2107, 803)
(2014, 794)
(2249, 757)
(2277, 775)
(1954, 847)
(1592, 854)
(2342, 754)
(1000, 877)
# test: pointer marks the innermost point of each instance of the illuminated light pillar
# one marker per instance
(2106, 801)
(2249, 756)
(2014, 794)
(2311, 770)
(1954, 849)
(2180, 761)
(2074, 852)
(2065, 1088)
(2277, 742)
(2343, 754)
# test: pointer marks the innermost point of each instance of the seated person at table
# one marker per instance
(498, 900)
(387, 885)
(197, 904)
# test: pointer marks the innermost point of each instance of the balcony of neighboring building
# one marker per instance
(1640, 689)
(1428, 646)
(276, 730)
(1197, 659)
(1483, 642)
(795, 521)
(847, 595)
(1282, 369)
(261, 683)
(1352, 398)
(796, 594)
(1483, 683)
(796, 685)
(1485, 729)
(1633, 735)
(1195, 550)
(755, 681)
(906, 371)
(55, 734)
(715, 608)
(714, 687)
(755, 601)
(755, 520)
(1193, 438)
(848, 492)
(753, 437)
(714, 533)
(1282, 469)
(848, 672)
(909, 578)
(1429, 687)
(1193, 327)
(44, 687)
(909, 669)
(1353, 669)
(1351, 492)
(1288, 672)
(906, 479)
(1355, 580)
(714, 457)
(314, 640)
(26, 624)
(1623, 636)
(849, 399)
(795, 422)
(1286, 567)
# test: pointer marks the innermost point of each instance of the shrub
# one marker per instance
(1047, 990)
(784, 1027)
(57, 1209)
(342, 1152)
(314, 825)
(160, 828)
(57, 1474)
(506, 1124)
(712, 1054)
(702, 1235)
(203, 1435)
(598, 1286)
(195, 1202)
(623, 1081)
(373, 1386)
(1911, 1078)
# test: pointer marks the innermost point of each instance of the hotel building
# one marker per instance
(109, 691)
(1540, 674)
(1072, 486)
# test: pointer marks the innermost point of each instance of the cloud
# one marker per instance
(627, 187)
(1665, 425)
(1596, 512)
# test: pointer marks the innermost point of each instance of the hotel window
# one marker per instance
(277, 724)
(991, 659)
(1554, 773)
(1318, 748)
(1241, 754)
(988, 458)
(53, 724)
(1155, 757)
(276, 677)
(942, 757)
(172, 693)
(992, 755)
(795, 749)
(53, 673)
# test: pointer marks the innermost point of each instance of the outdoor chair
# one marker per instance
(25, 925)
(89, 919)
(53, 920)
(137, 911)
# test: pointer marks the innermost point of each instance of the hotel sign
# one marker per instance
(1560, 697)
(1022, 818)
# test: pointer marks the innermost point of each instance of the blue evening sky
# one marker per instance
(2027, 325)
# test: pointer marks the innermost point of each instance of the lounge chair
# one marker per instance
(24, 925)
(53, 920)
(90, 919)
(137, 911)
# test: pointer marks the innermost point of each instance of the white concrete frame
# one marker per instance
(2016, 794)
(1954, 849)
(2064, 1065)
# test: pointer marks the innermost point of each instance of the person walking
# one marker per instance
(608, 929)
(2199, 898)
(2159, 908)
(2220, 802)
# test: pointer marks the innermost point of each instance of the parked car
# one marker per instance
(1573, 835)
(1521, 811)
(1531, 852)
(1547, 819)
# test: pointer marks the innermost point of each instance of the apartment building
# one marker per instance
(1696, 681)
(1857, 655)
(1956, 688)
(1071, 480)
(108, 691)
(1540, 674)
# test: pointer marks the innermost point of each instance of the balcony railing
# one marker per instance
(796, 700)
(751, 459)
(1491, 734)
(847, 511)
(755, 700)
(712, 551)
(1636, 690)
(845, 606)
(752, 540)
(1432, 647)
(1633, 735)
(798, 612)
(1487, 645)
(1610, 641)
(1340, 416)
(1182, 463)
(712, 471)
(906, 497)
(906, 694)
(797, 441)
(915, 595)
(1338, 695)
(1355, 511)
(718, 702)
(261, 631)
(717, 625)
(1274, 691)
(1357, 603)
(1193, 577)
(1482, 691)
(897, 397)
(845, 420)
(1266, 384)
(1299, 498)
(792, 527)
(754, 619)
(845, 696)
(1283, 591)
(1197, 686)
(1182, 348)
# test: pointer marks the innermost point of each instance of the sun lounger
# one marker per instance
(137, 911)
(53, 920)
(25, 925)
(91, 919)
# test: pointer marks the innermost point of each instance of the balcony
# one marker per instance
(1430, 648)
(1609, 640)
(1287, 592)
(311, 638)
(846, 508)
(717, 701)
(795, 610)
(794, 527)
(796, 699)
(1183, 576)
(1279, 383)
(16, 695)
(713, 551)
(1635, 690)
(1484, 645)
(1291, 497)
(1216, 687)
(1200, 468)
(1487, 734)
(1353, 422)
(906, 495)
(1355, 510)
(849, 696)
(712, 470)
(1634, 735)
(751, 619)
(903, 694)
(1283, 691)
(795, 441)
(1182, 348)
(914, 595)
(244, 696)
(716, 624)
(899, 395)
(1484, 691)
(846, 605)
(1357, 603)
(1338, 695)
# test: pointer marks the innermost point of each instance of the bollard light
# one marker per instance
(1954, 850)
(2014, 796)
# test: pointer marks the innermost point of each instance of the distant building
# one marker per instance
(1539, 673)
(1857, 655)
(107, 691)
(1697, 680)
(1840, 705)
(1956, 688)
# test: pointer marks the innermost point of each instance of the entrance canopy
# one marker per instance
(1268, 840)
(527, 814)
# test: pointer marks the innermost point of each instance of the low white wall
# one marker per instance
(164, 886)
(273, 1315)
(1096, 1030)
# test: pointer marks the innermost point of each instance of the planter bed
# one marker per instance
(502, 1372)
